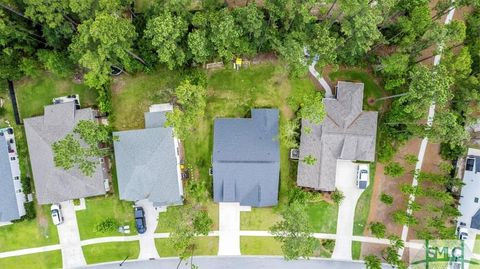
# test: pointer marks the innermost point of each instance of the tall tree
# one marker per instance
(323, 44)
(294, 232)
(100, 43)
(167, 34)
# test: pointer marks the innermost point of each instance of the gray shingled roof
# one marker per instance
(246, 159)
(146, 163)
(8, 198)
(346, 133)
(52, 184)
(475, 224)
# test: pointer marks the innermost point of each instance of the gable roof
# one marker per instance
(146, 162)
(52, 184)
(246, 159)
(8, 199)
(346, 133)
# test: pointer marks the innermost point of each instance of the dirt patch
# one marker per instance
(261, 58)
(118, 85)
(380, 212)
(372, 249)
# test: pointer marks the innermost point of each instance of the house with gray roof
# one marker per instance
(148, 161)
(346, 133)
(246, 159)
(54, 184)
(12, 198)
(470, 194)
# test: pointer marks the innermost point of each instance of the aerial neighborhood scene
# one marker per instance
(239, 134)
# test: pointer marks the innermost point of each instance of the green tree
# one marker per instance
(372, 262)
(394, 169)
(294, 232)
(70, 151)
(52, 14)
(167, 34)
(394, 68)
(446, 128)
(199, 45)
(312, 108)
(386, 199)
(100, 43)
(252, 22)
(289, 133)
(225, 35)
(191, 100)
(56, 62)
(378, 229)
(323, 45)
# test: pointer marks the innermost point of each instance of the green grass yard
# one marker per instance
(476, 247)
(42, 260)
(323, 217)
(100, 208)
(371, 88)
(267, 245)
(356, 250)
(34, 94)
(166, 217)
(107, 252)
(204, 246)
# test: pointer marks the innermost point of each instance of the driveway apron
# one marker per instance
(69, 236)
(229, 233)
(147, 240)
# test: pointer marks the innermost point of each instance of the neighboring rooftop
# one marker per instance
(346, 133)
(53, 184)
(246, 159)
(470, 195)
(148, 163)
(11, 201)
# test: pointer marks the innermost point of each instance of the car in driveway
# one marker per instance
(362, 176)
(56, 212)
(140, 223)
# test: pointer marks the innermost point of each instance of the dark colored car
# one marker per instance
(140, 220)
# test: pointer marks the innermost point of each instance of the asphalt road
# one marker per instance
(238, 262)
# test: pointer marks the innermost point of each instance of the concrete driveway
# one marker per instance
(69, 237)
(147, 241)
(229, 232)
(346, 182)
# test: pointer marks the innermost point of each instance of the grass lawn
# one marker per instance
(371, 90)
(100, 208)
(107, 252)
(363, 205)
(323, 217)
(476, 247)
(204, 246)
(166, 217)
(356, 249)
(43, 260)
(34, 94)
(266, 245)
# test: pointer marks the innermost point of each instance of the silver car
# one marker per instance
(56, 212)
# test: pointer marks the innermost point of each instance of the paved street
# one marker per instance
(346, 175)
(229, 233)
(147, 241)
(243, 262)
(69, 238)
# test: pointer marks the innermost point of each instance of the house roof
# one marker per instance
(8, 199)
(346, 133)
(52, 184)
(469, 203)
(246, 159)
(146, 163)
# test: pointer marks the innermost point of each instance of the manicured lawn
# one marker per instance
(371, 90)
(132, 96)
(29, 234)
(166, 217)
(323, 217)
(101, 208)
(204, 246)
(34, 94)
(356, 249)
(259, 219)
(476, 247)
(266, 245)
(43, 260)
(107, 252)
(363, 205)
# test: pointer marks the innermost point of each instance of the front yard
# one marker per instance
(107, 252)
(204, 245)
(266, 245)
(43, 260)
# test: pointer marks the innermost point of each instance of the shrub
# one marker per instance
(30, 211)
(411, 159)
(385, 151)
(26, 185)
(337, 196)
(449, 152)
(104, 101)
(328, 244)
(108, 225)
(378, 229)
(386, 199)
(3, 111)
(56, 62)
(394, 169)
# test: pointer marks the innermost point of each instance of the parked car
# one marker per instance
(56, 212)
(462, 231)
(362, 176)
(140, 220)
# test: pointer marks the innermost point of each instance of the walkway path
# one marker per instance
(229, 234)
(69, 238)
(318, 77)
(423, 146)
(346, 174)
